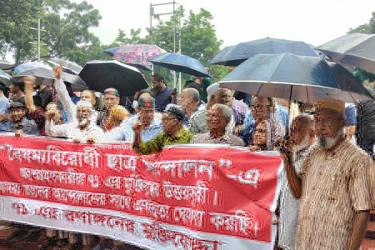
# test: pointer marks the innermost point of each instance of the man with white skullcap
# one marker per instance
(83, 129)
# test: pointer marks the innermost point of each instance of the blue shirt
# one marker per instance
(4, 126)
(127, 134)
(162, 99)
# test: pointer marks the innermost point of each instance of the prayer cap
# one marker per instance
(86, 104)
(331, 104)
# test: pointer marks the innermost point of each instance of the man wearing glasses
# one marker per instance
(173, 132)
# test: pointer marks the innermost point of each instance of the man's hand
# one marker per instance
(254, 148)
(57, 71)
(29, 80)
(5, 118)
(77, 140)
(50, 114)
(137, 128)
(91, 139)
(18, 133)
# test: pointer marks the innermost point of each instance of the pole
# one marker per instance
(174, 41)
(38, 39)
(179, 49)
(151, 14)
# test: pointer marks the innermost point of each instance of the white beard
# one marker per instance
(328, 143)
(83, 123)
(304, 144)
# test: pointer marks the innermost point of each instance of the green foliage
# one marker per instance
(368, 28)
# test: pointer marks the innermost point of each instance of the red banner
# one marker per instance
(187, 196)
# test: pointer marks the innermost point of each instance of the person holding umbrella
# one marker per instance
(333, 185)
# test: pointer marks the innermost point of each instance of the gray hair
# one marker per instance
(226, 111)
(193, 94)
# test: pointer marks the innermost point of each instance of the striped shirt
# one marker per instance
(334, 187)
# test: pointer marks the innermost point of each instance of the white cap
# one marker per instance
(213, 88)
(85, 104)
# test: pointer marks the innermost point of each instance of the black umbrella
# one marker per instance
(46, 77)
(243, 51)
(355, 49)
(100, 75)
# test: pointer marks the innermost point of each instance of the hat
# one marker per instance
(15, 105)
(213, 88)
(331, 104)
(175, 110)
(85, 104)
(148, 104)
(111, 91)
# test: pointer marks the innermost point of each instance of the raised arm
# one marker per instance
(29, 82)
(69, 106)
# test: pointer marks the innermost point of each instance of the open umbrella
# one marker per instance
(5, 78)
(180, 63)
(243, 51)
(137, 55)
(68, 66)
(46, 77)
(100, 75)
(292, 77)
(355, 49)
(30, 65)
(4, 64)
(221, 57)
(111, 51)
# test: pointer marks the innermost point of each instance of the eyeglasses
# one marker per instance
(255, 107)
(167, 118)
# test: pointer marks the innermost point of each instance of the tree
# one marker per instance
(368, 28)
(16, 18)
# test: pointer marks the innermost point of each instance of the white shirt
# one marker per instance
(72, 131)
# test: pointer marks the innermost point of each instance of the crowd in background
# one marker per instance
(202, 113)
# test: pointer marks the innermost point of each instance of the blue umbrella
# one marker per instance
(30, 66)
(289, 76)
(111, 51)
(355, 49)
(180, 63)
(221, 57)
(243, 51)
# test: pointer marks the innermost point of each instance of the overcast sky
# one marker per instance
(314, 21)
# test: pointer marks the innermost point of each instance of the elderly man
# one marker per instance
(151, 125)
(198, 121)
(332, 187)
(173, 132)
(190, 100)
(302, 137)
(83, 130)
(111, 98)
(218, 118)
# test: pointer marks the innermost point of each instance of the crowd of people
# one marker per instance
(325, 189)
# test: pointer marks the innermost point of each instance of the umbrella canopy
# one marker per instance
(111, 51)
(5, 78)
(137, 54)
(355, 49)
(180, 63)
(221, 57)
(292, 77)
(46, 77)
(4, 64)
(243, 51)
(100, 75)
(29, 66)
(68, 66)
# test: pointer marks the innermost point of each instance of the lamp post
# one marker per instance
(152, 13)
(38, 29)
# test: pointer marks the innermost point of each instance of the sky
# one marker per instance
(235, 21)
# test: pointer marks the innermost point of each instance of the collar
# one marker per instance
(179, 134)
(338, 147)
